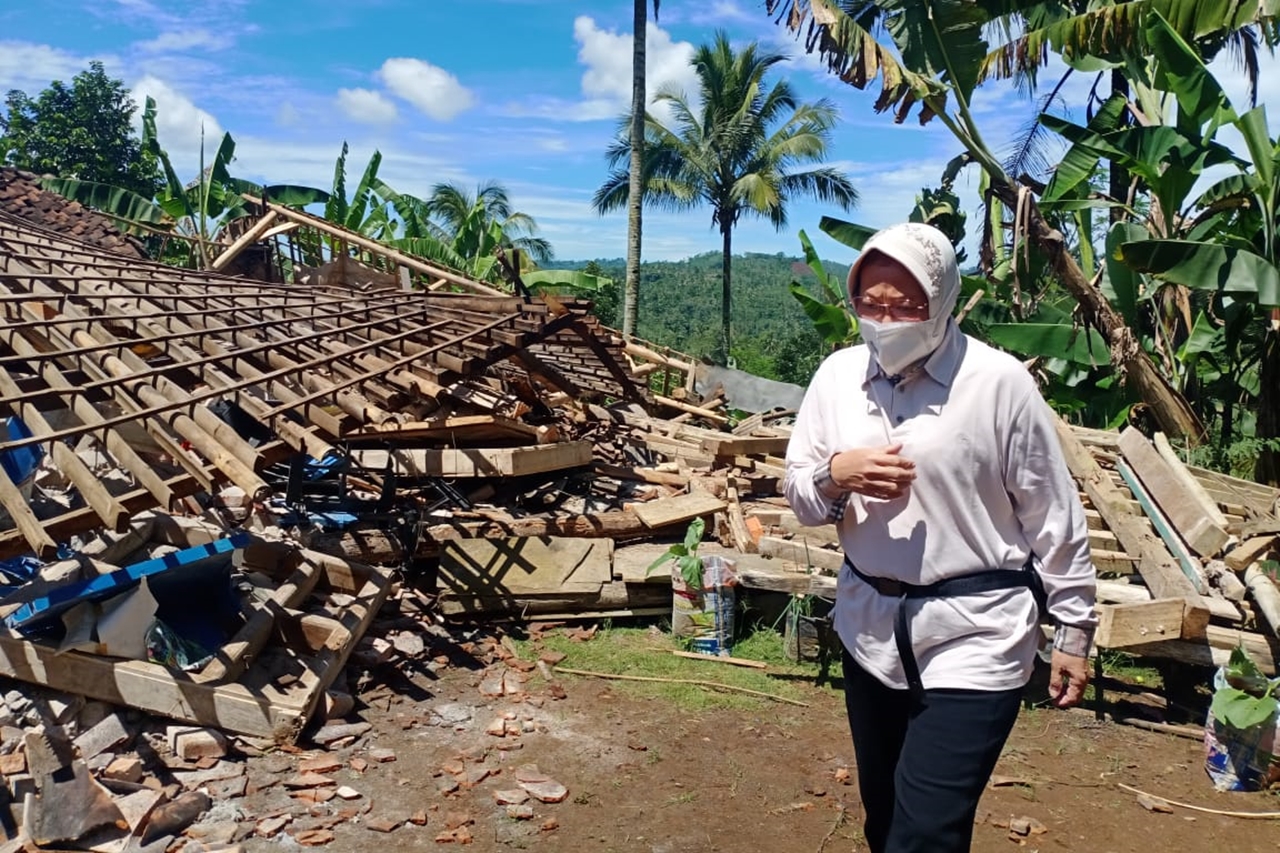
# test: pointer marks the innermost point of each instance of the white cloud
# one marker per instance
(179, 123)
(366, 105)
(32, 67)
(177, 41)
(431, 89)
(287, 115)
(606, 84)
(723, 12)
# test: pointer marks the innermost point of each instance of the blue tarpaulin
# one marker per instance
(21, 462)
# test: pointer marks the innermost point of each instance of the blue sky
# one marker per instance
(525, 92)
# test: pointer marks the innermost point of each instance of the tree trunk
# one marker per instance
(1117, 175)
(726, 231)
(635, 197)
(1169, 408)
(1267, 469)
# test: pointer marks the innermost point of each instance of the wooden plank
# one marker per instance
(521, 565)
(1249, 552)
(667, 511)
(1158, 569)
(742, 539)
(1192, 487)
(480, 462)
(1215, 649)
(731, 445)
(1177, 501)
(1186, 561)
(1123, 625)
(802, 552)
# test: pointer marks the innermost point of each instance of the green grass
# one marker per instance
(647, 652)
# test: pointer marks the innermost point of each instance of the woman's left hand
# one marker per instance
(1068, 676)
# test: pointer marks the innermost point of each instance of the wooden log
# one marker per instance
(1178, 502)
(24, 519)
(1249, 552)
(1158, 569)
(1123, 625)
(1265, 596)
(668, 511)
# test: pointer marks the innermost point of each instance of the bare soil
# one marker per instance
(644, 776)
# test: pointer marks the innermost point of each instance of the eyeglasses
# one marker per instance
(897, 311)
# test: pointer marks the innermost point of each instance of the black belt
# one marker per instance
(973, 584)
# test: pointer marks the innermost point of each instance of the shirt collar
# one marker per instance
(941, 365)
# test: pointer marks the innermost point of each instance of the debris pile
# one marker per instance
(331, 468)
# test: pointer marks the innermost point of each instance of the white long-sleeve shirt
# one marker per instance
(991, 488)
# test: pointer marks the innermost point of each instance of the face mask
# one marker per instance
(897, 345)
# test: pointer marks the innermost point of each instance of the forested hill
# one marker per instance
(680, 308)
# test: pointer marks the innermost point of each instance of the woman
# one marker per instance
(938, 460)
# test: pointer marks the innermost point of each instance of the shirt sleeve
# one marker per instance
(1048, 507)
(807, 485)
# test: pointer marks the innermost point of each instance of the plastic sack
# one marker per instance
(1241, 759)
(705, 616)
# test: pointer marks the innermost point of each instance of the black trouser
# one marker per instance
(923, 764)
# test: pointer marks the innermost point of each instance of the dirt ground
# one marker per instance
(644, 776)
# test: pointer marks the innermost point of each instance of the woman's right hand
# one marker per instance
(876, 472)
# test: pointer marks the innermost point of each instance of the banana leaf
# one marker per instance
(1202, 104)
(1206, 266)
(114, 201)
(1052, 340)
(1123, 280)
(574, 280)
(851, 235)
(832, 322)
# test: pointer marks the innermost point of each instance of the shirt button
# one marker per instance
(901, 418)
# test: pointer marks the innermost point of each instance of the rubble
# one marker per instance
(361, 472)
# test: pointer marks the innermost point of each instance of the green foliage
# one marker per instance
(1248, 699)
(82, 131)
(685, 556)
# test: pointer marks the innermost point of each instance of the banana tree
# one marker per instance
(189, 219)
(1230, 247)
(933, 64)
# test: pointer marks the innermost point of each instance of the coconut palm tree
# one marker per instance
(454, 209)
(635, 203)
(737, 147)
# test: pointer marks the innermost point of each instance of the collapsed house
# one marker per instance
(354, 423)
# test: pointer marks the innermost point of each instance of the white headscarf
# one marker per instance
(927, 254)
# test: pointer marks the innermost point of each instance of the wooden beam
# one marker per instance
(1178, 501)
(731, 445)
(1154, 563)
(480, 462)
(591, 525)
(802, 552)
(1192, 487)
(1250, 551)
(693, 410)
(255, 233)
(1186, 560)
(1123, 625)
(525, 565)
